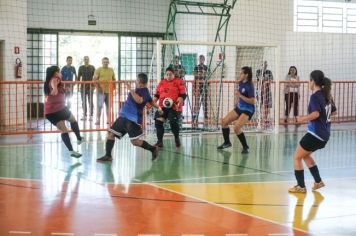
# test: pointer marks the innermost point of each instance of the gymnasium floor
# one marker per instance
(193, 190)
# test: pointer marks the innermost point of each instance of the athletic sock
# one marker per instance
(226, 134)
(109, 146)
(299, 175)
(315, 173)
(243, 141)
(147, 146)
(75, 127)
(66, 141)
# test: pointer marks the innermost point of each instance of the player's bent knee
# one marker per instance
(110, 136)
(237, 129)
(136, 142)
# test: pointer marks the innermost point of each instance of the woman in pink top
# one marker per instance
(56, 111)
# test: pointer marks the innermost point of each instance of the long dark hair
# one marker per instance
(296, 71)
(323, 82)
(49, 75)
(247, 70)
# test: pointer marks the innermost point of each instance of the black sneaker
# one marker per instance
(159, 144)
(154, 154)
(224, 145)
(245, 150)
(104, 158)
(178, 144)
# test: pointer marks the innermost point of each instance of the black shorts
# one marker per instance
(168, 113)
(239, 112)
(55, 117)
(124, 126)
(311, 143)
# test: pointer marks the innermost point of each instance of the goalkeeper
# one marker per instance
(170, 95)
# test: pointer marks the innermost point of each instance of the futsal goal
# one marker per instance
(211, 71)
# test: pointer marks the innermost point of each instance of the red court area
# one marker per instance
(79, 208)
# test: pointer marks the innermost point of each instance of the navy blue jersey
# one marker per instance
(246, 89)
(132, 110)
(67, 73)
(320, 127)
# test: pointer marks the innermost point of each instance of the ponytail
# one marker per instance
(50, 71)
(324, 83)
(326, 89)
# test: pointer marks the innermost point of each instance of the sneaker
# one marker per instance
(178, 144)
(245, 151)
(297, 189)
(224, 145)
(318, 185)
(75, 154)
(80, 141)
(159, 144)
(154, 154)
(104, 158)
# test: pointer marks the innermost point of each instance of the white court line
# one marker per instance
(280, 234)
(208, 177)
(105, 234)
(19, 232)
(192, 234)
(227, 208)
(149, 235)
(54, 233)
(263, 182)
(236, 234)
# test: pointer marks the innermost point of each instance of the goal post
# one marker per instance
(211, 88)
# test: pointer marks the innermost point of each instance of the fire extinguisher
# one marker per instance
(18, 68)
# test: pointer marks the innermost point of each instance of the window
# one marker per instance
(136, 55)
(321, 16)
(41, 53)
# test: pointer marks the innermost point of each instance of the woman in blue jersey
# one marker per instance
(243, 111)
(130, 119)
(321, 108)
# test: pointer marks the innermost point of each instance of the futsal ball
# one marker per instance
(167, 102)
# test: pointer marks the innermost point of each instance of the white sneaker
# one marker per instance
(82, 140)
(75, 154)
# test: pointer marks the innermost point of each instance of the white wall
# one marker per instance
(335, 54)
(13, 27)
(271, 22)
(111, 15)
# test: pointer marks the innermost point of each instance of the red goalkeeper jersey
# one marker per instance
(171, 89)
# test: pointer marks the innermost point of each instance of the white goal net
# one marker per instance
(210, 71)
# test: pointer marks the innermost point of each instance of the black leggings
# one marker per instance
(289, 98)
